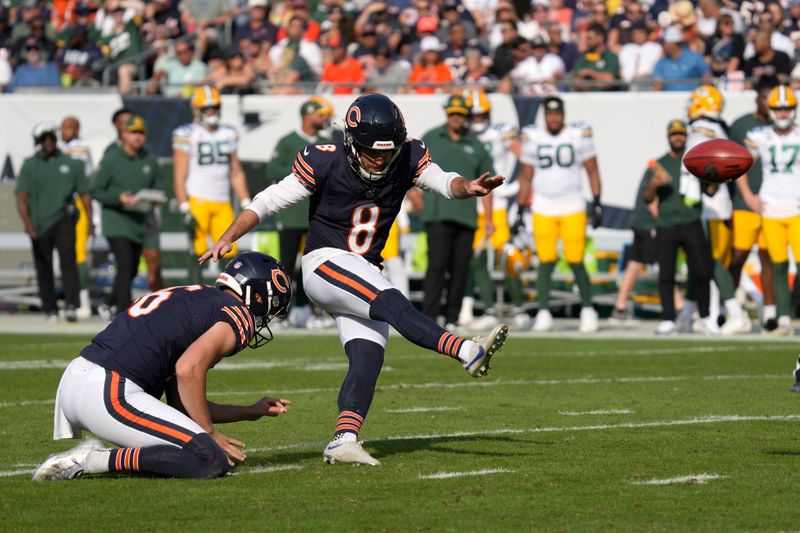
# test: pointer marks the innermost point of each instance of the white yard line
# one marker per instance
(264, 470)
(484, 472)
(459, 385)
(699, 479)
(709, 419)
(12, 473)
(598, 412)
(423, 409)
(502, 383)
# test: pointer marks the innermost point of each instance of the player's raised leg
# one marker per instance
(346, 284)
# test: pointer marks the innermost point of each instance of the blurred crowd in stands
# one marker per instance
(532, 47)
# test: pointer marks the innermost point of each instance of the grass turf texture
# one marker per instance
(575, 472)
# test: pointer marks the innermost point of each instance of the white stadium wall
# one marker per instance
(629, 127)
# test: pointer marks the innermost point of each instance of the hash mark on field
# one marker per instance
(265, 470)
(27, 402)
(699, 479)
(12, 473)
(598, 412)
(422, 409)
(485, 471)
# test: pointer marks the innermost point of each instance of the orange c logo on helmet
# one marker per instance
(351, 121)
(280, 280)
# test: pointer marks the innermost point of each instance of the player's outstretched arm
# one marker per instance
(464, 188)
(244, 222)
(266, 406)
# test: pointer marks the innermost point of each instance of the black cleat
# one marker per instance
(795, 387)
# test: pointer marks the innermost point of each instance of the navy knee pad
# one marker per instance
(208, 460)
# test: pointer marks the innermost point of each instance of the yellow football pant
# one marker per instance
(81, 235)
(571, 229)
(392, 247)
(501, 234)
(748, 230)
(781, 233)
(212, 219)
(721, 238)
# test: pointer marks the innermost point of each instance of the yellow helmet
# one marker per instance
(705, 101)
(205, 96)
(516, 260)
(480, 107)
(782, 97)
(317, 105)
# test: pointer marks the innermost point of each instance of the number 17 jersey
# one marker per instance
(780, 164)
(558, 166)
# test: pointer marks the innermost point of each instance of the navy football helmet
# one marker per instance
(373, 121)
(264, 287)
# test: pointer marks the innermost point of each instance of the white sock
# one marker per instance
(733, 307)
(84, 298)
(770, 311)
(689, 306)
(463, 352)
(97, 461)
(348, 436)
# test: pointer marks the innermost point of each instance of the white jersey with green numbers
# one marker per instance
(497, 140)
(780, 164)
(209, 159)
(719, 206)
(557, 162)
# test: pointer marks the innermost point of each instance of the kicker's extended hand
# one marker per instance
(484, 184)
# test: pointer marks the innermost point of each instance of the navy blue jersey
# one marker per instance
(144, 343)
(346, 211)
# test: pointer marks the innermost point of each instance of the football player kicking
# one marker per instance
(356, 190)
(166, 342)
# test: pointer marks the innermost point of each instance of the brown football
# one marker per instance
(718, 160)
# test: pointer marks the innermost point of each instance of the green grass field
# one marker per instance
(563, 435)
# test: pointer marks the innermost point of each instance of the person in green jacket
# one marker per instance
(292, 222)
(450, 225)
(678, 225)
(44, 191)
(122, 173)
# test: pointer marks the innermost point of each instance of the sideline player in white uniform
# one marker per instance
(559, 153)
(502, 143)
(778, 146)
(79, 149)
(705, 106)
(205, 166)
(356, 190)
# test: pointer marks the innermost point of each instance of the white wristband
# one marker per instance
(184, 207)
(244, 202)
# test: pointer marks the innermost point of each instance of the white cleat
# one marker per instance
(666, 327)
(341, 451)
(69, 464)
(521, 322)
(589, 320)
(736, 324)
(706, 326)
(543, 321)
(484, 322)
(483, 349)
(784, 328)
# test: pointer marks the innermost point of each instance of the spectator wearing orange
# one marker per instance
(341, 71)
(430, 74)
(311, 28)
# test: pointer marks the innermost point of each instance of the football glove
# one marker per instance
(189, 223)
(597, 212)
(520, 213)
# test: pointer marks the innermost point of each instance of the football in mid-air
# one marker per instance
(718, 160)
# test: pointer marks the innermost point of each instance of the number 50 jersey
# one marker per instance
(558, 166)
(209, 159)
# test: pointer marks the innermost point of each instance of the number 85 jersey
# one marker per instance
(558, 166)
(209, 159)
(347, 212)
